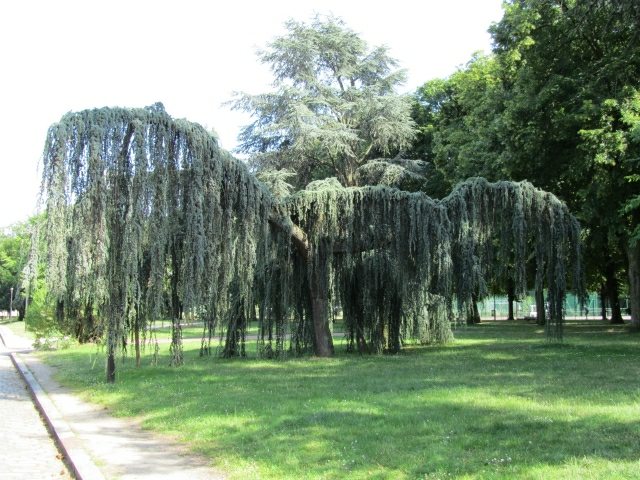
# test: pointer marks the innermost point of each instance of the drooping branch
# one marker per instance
(164, 213)
(134, 184)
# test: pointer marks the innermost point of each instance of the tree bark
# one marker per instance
(85, 331)
(175, 349)
(111, 365)
(511, 297)
(394, 343)
(473, 315)
(176, 314)
(633, 257)
(613, 294)
(603, 302)
(541, 317)
(323, 341)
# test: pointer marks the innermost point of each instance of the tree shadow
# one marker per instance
(487, 409)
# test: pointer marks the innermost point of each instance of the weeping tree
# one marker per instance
(500, 227)
(147, 217)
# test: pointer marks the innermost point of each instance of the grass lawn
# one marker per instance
(500, 402)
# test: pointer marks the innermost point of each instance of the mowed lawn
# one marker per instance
(500, 402)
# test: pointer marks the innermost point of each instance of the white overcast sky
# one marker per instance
(68, 55)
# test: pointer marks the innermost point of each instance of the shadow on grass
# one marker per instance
(484, 407)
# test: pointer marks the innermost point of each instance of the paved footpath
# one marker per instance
(27, 450)
(119, 448)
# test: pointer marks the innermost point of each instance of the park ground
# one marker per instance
(499, 402)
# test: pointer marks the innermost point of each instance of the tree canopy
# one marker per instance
(146, 217)
(556, 104)
(333, 108)
(13, 255)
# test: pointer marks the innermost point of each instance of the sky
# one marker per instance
(58, 56)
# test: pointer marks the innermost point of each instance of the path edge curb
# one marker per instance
(77, 459)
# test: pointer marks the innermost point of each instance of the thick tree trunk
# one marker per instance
(175, 348)
(394, 343)
(85, 331)
(511, 297)
(613, 294)
(323, 341)
(541, 317)
(473, 315)
(633, 257)
(113, 335)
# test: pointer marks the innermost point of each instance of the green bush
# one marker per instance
(40, 320)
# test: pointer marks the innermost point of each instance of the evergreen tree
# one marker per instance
(147, 216)
(333, 108)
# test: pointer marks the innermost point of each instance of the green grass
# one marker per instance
(499, 403)
(162, 330)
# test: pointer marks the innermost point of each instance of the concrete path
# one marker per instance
(119, 448)
(27, 450)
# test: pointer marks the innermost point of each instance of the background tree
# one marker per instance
(458, 122)
(555, 107)
(574, 64)
(333, 108)
(14, 247)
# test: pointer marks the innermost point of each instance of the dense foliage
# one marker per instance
(14, 246)
(556, 104)
(143, 221)
(20, 252)
(147, 217)
(333, 108)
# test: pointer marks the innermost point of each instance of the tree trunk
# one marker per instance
(633, 257)
(603, 302)
(85, 331)
(541, 317)
(395, 321)
(613, 294)
(175, 348)
(111, 365)
(511, 297)
(473, 315)
(113, 333)
(176, 313)
(323, 342)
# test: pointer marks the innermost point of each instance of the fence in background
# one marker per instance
(526, 307)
